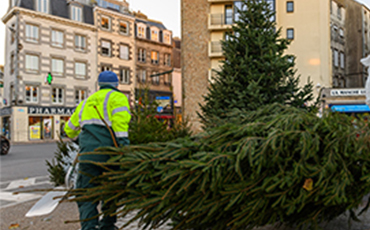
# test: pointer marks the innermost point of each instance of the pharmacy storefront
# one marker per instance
(34, 123)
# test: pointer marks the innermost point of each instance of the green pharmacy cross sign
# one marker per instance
(49, 78)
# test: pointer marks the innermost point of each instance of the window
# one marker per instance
(80, 70)
(80, 42)
(341, 32)
(154, 57)
(339, 13)
(154, 35)
(167, 79)
(123, 28)
(141, 31)
(106, 48)
(167, 59)
(124, 52)
(124, 76)
(106, 68)
(76, 13)
(12, 63)
(335, 58)
(57, 67)
(142, 75)
(32, 63)
(228, 14)
(167, 38)
(155, 78)
(342, 64)
(105, 23)
(290, 34)
(289, 7)
(32, 93)
(32, 33)
(141, 55)
(57, 38)
(12, 37)
(57, 95)
(80, 95)
(42, 6)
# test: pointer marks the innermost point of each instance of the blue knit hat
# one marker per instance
(108, 78)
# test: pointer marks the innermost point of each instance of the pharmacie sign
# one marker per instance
(51, 110)
(348, 92)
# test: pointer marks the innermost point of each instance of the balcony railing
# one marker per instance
(215, 49)
(221, 19)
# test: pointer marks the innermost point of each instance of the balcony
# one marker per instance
(220, 21)
(215, 49)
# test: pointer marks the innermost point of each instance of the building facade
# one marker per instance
(50, 66)
(116, 44)
(176, 76)
(319, 30)
(55, 50)
(154, 64)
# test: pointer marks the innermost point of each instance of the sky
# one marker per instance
(166, 11)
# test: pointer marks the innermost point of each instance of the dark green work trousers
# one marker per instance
(88, 210)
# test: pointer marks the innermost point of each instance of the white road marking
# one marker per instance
(21, 183)
(9, 196)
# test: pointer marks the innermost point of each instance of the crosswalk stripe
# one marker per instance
(21, 183)
(9, 196)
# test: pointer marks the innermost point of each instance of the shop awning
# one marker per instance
(350, 108)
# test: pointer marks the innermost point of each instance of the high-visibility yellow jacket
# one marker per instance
(86, 123)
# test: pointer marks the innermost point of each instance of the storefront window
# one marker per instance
(34, 128)
(41, 128)
(63, 122)
(48, 127)
(6, 127)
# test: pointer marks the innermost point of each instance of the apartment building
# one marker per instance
(50, 67)
(338, 42)
(116, 43)
(154, 64)
(322, 34)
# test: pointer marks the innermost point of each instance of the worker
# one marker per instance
(98, 121)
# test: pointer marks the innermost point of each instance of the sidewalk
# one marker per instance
(15, 215)
(67, 211)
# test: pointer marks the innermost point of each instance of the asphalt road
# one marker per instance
(26, 161)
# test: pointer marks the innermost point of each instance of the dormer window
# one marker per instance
(42, 6)
(76, 13)
(166, 38)
(154, 35)
(141, 31)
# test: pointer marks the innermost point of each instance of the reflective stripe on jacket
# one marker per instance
(113, 107)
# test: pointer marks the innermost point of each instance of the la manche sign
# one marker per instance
(348, 92)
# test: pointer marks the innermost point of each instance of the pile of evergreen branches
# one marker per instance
(278, 164)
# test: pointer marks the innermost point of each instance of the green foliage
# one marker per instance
(243, 174)
(146, 128)
(61, 161)
(255, 71)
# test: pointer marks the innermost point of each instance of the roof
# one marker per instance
(60, 8)
(152, 23)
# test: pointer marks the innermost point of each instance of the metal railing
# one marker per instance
(221, 19)
(216, 47)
